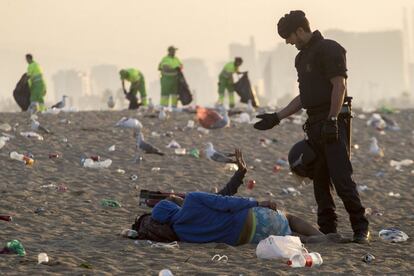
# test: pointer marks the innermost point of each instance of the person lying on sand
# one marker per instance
(205, 217)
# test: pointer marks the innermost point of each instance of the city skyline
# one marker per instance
(103, 34)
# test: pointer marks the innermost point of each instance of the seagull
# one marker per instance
(35, 125)
(374, 149)
(162, 115)
(150, 105)
(60, 104)
(144, 146)
(129, 123)
(111, 102)
(217, 156)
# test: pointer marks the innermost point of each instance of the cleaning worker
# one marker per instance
(169, 67)
(37, 85)
(226, 80)
(137, 83)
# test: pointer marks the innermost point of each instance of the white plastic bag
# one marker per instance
(274, 247)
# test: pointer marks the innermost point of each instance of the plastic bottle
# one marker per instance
(21, 157)
(305, 260)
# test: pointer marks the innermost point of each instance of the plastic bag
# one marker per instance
(274, 247)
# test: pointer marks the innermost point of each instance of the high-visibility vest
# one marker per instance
(132, 75)
(34, 72)
(169, 65)
(228, 70)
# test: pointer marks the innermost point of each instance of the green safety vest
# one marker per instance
(133, 75)
(228, 70)
(168, 65)
(34, 72)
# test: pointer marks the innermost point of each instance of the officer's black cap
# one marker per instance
(291, 22)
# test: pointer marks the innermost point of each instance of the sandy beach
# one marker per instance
(82, 238)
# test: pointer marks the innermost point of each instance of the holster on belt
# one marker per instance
(317, 115)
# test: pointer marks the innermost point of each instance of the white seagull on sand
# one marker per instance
(144, 146)
(374, 149)
(217, 156)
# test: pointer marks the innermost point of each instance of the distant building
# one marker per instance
(70, 83)
(377, 67)
(103, 77)
(200, 81)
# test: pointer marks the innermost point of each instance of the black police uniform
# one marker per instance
(319, 61)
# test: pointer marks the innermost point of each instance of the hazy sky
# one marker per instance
(81, 33)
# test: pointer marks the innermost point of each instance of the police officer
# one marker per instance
(321, 67)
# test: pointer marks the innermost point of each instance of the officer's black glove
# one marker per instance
(329, 132)
(269, 120)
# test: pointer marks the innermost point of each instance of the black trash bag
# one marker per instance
(184, 93)
(244, 89)
(133, 100)
(21, 93)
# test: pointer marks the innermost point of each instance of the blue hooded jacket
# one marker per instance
(205, 217)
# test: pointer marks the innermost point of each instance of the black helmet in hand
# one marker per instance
(301, 159)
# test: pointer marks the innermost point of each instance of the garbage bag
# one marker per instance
(184, 93)
(274, 247)
(21, 93)
(244, 89)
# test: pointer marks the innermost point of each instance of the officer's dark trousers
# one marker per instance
(333, 169)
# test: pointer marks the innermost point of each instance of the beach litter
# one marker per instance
(90, 163)
(14, 246)
(173, 244)
(392, 194)
(42, 258)
(291, 191)
(31, 134)
(194, 153)
(110, 203)
(282, 162)
(40, 210)
(129, 233)
(111, 148)
(220, 258)
(368, 258)
(3, 140)
(165, 272)
(22, 158)
(180, 151)
(120, 171)
(393, 235)
(362, 188)
(231, 167)
(5, 127)
(403, 163)
(173, 145)
(6, 217)
(133, 177)
(251, 184)
(373, 212)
